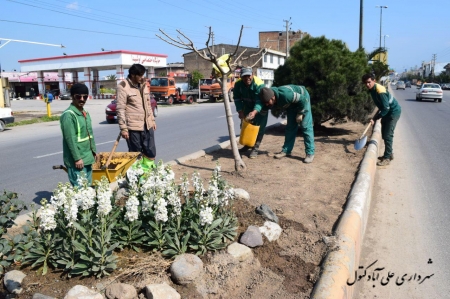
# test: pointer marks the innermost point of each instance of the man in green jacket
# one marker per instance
(78, 138)
(295, 100)
(245, 94)
(388, 110)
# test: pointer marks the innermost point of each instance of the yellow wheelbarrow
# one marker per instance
(109, 164)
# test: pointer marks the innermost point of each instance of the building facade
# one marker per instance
(192, 61)
(277, 41)
(266, 63)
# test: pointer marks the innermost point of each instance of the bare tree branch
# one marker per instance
(239, 42)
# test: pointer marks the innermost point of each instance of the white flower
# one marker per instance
(160, 210)
(198, 186)
(71, 210)
(184, 186)
(85, 198)
(60, 195)
(104, 194)
(174, 201)
(47, 215)
(132, 207)
(206, 216)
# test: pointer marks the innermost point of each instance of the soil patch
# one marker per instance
(307, 198)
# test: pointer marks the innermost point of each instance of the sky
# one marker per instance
(412, 30)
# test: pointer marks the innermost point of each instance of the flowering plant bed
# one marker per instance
(80, 228)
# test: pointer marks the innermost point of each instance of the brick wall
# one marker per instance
(276, 40)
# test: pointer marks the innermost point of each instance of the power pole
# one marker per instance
(361, 24)
(433, 63)
(287, 36)
(212, 39)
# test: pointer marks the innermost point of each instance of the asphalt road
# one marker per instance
(27, 153)
(407, 231)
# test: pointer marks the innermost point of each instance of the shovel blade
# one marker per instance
(360, 143)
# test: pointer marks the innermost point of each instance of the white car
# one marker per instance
(431, 91)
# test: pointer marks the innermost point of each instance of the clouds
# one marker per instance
(73, 6)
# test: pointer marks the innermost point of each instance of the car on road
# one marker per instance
(401, 85)
(408, 84)
(111, 113)
(445, 86)
(431, 91)
(65, 96)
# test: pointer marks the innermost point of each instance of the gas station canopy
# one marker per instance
(107, 60)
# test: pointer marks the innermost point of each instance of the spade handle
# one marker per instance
(365, 131)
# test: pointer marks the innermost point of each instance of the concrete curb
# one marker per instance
(339, 265)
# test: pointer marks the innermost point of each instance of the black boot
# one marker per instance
(244, 149)
(254, 152)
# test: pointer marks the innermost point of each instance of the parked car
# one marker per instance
(408, 84)
(55, 92)
(65, 96)
(401, 85)
(111, 113)
(430, 91)
(445, 86)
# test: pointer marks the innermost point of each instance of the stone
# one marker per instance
(82, 292)
(271, 231)
(240, 252)
(266, 212)
(241, 194)
(120, 291)
(161, 291)
(40, 296)
(186, 268)
(252, 237)
(13, 281)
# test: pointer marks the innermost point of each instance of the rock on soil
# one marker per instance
(271, 231)
(13, 281)
(120, 291)
(240, 252)
(252, 237)
(83, 292)
(266, 212)
(186, 268)
(161, 291)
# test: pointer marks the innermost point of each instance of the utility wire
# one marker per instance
(84, 16)
(77, 29)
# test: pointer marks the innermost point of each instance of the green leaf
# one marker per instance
(78, 246)
(80, 266)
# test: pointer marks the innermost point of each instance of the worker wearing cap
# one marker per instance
(389, 112)
(245, 94)
(78, 138)
(295, 100)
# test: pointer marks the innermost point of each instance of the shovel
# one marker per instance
(112, 152)
(361, 142)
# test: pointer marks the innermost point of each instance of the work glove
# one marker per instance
(299, 118)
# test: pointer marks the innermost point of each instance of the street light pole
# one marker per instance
(8, 40)
(385, 41)
(381, 18)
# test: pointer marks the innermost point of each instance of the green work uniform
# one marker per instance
(295, 100)
(246, 99)
(389, 112)
(78, 142)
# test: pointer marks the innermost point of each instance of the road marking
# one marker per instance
(226, 116)
(57, 153)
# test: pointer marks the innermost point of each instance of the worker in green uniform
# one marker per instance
(388, 110)
(78, 138)
(295, 100)
(245, 94)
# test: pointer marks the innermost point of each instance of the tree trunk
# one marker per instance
(239, 165)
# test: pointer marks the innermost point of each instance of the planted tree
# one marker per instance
(224, 68)
(332, 75)
(195, 77)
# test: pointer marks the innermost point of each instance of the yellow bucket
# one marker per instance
(249, 133)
